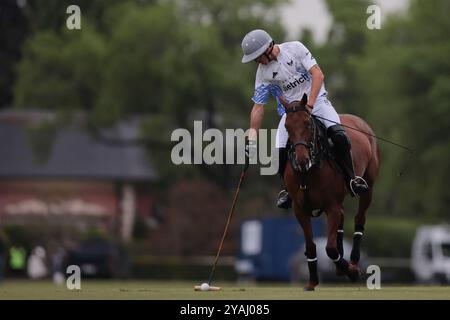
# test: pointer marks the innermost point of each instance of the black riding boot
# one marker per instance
(283, 201)
(355, 184)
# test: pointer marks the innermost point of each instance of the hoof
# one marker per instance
(353, 267)
(353, 272)
(310, 286)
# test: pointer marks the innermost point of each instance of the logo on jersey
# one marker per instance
(274, 74)
(290, 63)
(297, 82)
(312, 58)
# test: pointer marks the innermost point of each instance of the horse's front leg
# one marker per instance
(340, 241)
(334, 219)
(305, 221)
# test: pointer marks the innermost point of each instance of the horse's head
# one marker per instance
(298, 124)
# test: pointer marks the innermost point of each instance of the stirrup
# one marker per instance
(358, 180)
(283, 201)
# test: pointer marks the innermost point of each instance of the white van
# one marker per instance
(430, 257)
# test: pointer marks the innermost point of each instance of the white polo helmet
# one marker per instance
(254, 44)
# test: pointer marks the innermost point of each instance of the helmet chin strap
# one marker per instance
(269, 54)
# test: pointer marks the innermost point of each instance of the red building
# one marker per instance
(83, 181)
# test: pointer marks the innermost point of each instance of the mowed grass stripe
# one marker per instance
(160, 290)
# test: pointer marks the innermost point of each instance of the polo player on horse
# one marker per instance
(288, 71)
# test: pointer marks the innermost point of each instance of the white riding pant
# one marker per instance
(322, 108)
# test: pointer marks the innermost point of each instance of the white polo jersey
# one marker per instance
(289, 74)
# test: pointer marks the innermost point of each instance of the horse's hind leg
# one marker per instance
(311, 254)
(364, 202)
(360, 220)
(340, 241)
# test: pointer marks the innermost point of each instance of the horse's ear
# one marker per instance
(304, 100)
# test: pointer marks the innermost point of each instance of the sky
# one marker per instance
(314, 14)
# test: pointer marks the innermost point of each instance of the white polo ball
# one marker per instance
(204, 287)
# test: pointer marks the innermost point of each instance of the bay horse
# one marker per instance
(320, 186)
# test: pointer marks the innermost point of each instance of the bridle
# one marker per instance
(311, 146)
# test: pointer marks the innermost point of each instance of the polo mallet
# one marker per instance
(207, 286)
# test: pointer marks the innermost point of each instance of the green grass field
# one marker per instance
(162, 290)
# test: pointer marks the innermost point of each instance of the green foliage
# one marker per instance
(13, 32)
(346, 41)
(52, 14)
(37, 233)
(94, 233)
(60, 71)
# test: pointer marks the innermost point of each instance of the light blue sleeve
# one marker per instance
(263, 91)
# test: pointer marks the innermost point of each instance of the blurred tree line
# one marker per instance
(173, 62)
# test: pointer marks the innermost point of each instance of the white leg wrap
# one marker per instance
(337, 259)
